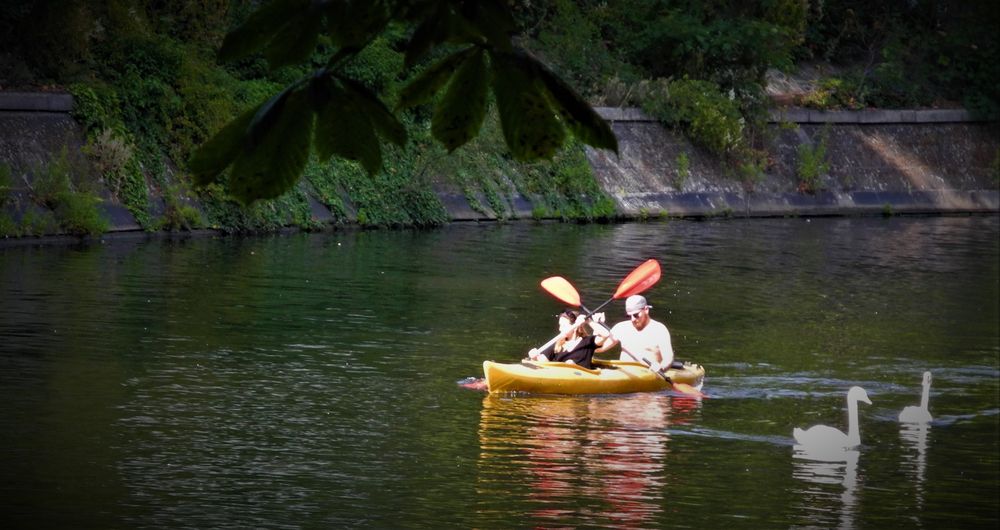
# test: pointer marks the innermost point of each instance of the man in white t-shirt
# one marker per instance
(643, 337)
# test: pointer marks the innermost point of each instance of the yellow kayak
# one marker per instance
(608, 377)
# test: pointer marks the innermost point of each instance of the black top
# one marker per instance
(582, 354)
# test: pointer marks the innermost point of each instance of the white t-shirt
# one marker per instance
(644, 344)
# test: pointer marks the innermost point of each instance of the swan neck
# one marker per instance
(925, 397)
(853, 436)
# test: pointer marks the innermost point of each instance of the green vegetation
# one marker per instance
(906, 54)
(812, 163)
(469, 110)
(70, 195)
(65, 200)
(682, 171)
(709, 117)
(8, 227)
(329, 109)
(6, 182)
(700, 67)
(178, 212)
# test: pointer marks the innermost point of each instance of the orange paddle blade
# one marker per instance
(560, 288)
(685, 388)
(640, 279)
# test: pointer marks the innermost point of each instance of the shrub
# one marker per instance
(8, 227)
(179, 215)
(683, 170)
(35, 223)
(812, 163)
(710, 118)
(109, 155)
(78, 213)
(75, 208)
(6, 183)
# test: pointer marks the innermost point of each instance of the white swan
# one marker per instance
(821, 439)
(919, 414)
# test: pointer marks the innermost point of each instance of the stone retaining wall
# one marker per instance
(900, 161)
(904, 161)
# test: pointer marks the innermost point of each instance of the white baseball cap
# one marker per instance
(635, 303)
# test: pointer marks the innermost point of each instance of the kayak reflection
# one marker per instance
(594, 460)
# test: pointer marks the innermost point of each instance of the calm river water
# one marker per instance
(311, 380)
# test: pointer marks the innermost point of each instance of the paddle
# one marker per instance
(641, 278)
(563, 290)
(553, 340)
(637, 281)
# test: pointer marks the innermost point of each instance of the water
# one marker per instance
(310, 380)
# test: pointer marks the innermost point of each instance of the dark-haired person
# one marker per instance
(575, 345)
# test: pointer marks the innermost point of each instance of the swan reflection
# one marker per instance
(914, 436)
(833, 482)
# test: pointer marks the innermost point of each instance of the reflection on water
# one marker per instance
(826, 472)
(594, 459)
(308, 380)
(914, 437)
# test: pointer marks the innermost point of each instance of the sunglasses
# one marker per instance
(633, 316)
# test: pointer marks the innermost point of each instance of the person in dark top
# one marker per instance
(576, 345)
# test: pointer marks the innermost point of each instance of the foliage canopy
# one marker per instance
(269, 145)
(313, 83)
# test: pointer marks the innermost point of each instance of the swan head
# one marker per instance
(856, 393)
(927, 379)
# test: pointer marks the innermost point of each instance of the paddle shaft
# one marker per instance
(555, 339)
(589, 313)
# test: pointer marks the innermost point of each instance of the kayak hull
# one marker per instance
(608, 377)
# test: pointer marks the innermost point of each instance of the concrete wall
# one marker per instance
(909, 161)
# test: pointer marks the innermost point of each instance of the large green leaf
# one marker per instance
(429, 32)
(267, 115)
(459, 115)
(530, 126)
(259, 28)
(461, 30)
(439, 26)
(296, 40)
(215, 155)
(342, 128)
(354, 24)
(491, 19)
(277, 162)
(426, 85)
(585, 123)
(382, 119)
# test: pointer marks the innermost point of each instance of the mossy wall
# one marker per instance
(832, 164)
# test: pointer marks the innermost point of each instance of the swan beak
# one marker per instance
(866, 400)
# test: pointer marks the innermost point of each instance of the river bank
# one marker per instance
(869, 163)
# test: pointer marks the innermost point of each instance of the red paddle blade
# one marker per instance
(640, 279)
(685, 388)
(560, 288)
